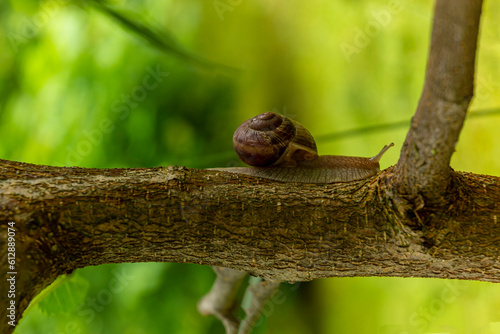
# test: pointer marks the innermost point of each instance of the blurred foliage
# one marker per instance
(62, 295)
(148, 83)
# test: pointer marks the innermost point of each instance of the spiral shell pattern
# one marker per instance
(262, 140)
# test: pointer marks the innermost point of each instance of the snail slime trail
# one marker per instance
(283, 150)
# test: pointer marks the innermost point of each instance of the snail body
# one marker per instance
(283, 150)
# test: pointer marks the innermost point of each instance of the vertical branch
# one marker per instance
(423, 166)
(221, 300)
(261, 292)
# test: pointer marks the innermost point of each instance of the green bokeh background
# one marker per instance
(76, 89)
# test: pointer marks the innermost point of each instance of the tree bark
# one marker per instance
(417, 219)
(68, 218)
(424, 164)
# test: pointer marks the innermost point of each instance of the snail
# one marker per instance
(283, 150)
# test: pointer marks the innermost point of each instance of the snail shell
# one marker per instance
(283, 150)
(271, 139)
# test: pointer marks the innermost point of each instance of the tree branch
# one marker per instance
(68, 218)
(221, 300)
(423, 167)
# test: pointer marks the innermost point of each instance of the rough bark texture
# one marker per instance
(423, 167)
(419, 218)
(68, 218)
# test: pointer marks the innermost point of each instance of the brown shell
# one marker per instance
(272, 139)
